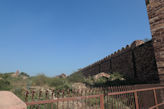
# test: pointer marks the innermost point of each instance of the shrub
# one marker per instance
(89, 81)
(116, 76)
(39, 80)
(59, 83)
(76, 77)
(4, 85)
(114, 79)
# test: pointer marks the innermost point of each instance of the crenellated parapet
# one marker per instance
(131, 60)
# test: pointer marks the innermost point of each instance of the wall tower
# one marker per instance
(155, 9)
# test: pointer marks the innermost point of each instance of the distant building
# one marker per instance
(16, 74)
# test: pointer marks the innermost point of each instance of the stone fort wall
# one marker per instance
(136, 61)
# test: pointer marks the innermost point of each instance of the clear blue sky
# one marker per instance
(60, 36)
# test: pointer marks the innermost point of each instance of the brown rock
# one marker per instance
(102, 74)
(137, 43)
(62, 76)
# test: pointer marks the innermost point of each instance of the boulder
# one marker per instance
(102, 74)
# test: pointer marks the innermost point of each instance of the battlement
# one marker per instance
(117, 53)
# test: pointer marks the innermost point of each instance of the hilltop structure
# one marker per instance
(16, 74)
(139, 61)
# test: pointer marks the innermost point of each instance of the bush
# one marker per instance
(4, 85)
(76, 77)
(114, 79)
(116, 76)
(59, 83)
(39, 80)
(89, 81)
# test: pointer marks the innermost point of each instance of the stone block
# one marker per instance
(10, 101)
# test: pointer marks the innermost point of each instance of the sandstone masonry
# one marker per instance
(155, 9)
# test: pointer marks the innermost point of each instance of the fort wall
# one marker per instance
(136, 61)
